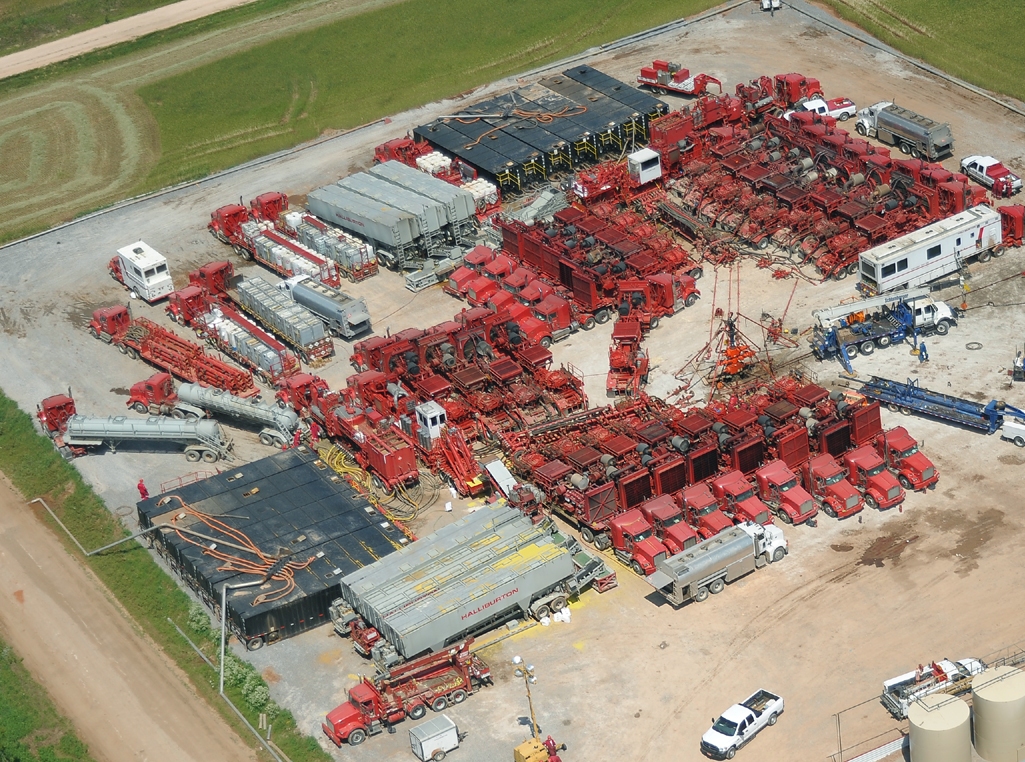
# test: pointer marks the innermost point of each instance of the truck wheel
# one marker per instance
(601, 316)
(587, 535)
(905, 482)
(266, 439)
(94, 333)
(192, 456)
(588, 324)
(943, 328)
(1019, 441)
(852, 351)
(772, 719)
(844, 116)
(546, 342)
(860, 129)
(458, 697)
(828, 510)
(867, 348)
(696, 273)
(840, 274)
(700, 594)
(778, 555)
(255, 644)
(132, 354)
(439, 704)
(852, 268)
(602, 542)
(209, 456)
(357, 737)
(653, 324)
(716, 586)
(542, 611)
(731, 752)
(138, 407)
(883, 342)
(785, 517)
(870, 502)
(998, 251)
(636, 566)
(690, 301)
(418, 711)
(915, 153)
(438, 755)
(558, 604)
(905, 148)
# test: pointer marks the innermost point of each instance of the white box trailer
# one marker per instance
(144, 271)
(430, 741)
(932, 252)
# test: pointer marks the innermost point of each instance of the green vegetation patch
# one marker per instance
(27, 23)
(368, 66)
(978, 41)
(31, 730)
(148, 594)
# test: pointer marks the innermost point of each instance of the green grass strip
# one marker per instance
(31, 730)
(365, 67)
(978, 41)
(148, 594)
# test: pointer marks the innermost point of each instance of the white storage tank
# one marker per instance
(998, 695)
(940, 729)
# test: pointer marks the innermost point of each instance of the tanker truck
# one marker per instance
(706, 568)
(73, 434)
(157, 396)
(344, 315)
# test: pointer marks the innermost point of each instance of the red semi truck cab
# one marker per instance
(561, 317)
(633, 542)
(53, 413)
(737, 499)
(469, 271)
(666, 519)
(824, 479)
(702, 511)
(488, 280)
(780, 489)
(900, 453)
(110, 321)
(867, 472)
(532, 294)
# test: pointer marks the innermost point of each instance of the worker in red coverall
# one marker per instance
(314, 433)
(143, 492)
(554, 749)
(296, 438)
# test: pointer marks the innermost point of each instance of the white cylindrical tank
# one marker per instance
(940, 730)
(998, 695)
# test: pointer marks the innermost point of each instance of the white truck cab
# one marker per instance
(144, 271)
(740, 723)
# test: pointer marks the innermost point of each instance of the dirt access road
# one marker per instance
(111, 34)
(125, 698)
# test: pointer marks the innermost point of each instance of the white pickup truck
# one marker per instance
(740, 723)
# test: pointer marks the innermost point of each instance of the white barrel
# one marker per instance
(940, 729)
(998, 696)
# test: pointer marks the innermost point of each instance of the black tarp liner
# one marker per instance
(455, 143)
(289, 503)
(636, 100)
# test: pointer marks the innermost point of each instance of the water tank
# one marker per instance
(940, 730)
(998, 695)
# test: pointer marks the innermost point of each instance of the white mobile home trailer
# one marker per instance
(931, 252)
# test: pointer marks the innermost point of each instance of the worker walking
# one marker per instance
(314, 433)
(143, 492)
(923, 356)
(297, 438)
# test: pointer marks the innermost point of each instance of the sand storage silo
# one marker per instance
(998, 695)
(940, 729)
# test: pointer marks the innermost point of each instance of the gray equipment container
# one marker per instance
(482, 570)
(431, 216)
(930, 137)
(459, 204)
(200, 437)
(291, 321)
(433, 739)
(372, 220)
(279, 423)
(344, 315)
(727, 555)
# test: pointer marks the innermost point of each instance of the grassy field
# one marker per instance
(210, 117)
(978, 41)
(30, 728)
(148, 594)
(25, 23)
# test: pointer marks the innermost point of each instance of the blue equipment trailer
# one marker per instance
(911, 397)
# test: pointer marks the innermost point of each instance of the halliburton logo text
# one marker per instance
(490, 603)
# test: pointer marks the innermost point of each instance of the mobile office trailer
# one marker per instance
(143, 270)
(931, 252)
